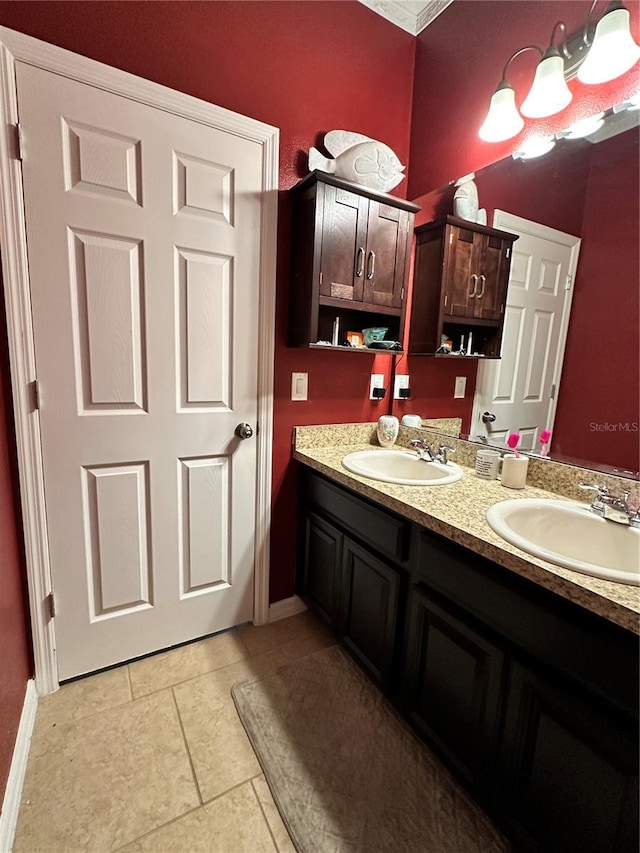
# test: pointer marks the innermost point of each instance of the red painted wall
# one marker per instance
(15, 648)
(462, 54)
(599, 406)
(459, 62)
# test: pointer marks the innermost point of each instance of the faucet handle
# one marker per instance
(443, 452)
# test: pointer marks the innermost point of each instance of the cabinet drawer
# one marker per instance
(384, 532)
(563, 636)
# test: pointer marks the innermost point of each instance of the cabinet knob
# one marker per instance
(474, 279)
(360, 262)
(483, 281)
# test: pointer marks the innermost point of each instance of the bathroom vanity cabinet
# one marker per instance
(459, 285)
(357, 584)
(350, 259)
(530, 699)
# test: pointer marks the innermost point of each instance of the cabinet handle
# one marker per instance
(371, 264)
(483, 281)
(474, 279)
(360, 262)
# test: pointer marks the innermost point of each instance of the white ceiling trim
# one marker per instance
(411, 15)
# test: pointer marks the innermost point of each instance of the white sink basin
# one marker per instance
(570, 535)
(402, 467)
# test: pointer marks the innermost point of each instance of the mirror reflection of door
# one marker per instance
(519, 392)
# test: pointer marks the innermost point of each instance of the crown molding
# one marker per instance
(410, 15)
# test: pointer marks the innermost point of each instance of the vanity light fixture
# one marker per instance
(613, 50)
(534, 147)
(598, 53)
(582, 128)
(503, 119)
(549, 93)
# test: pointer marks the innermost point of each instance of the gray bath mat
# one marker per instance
(347, 774)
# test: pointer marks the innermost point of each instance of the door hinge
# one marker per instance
(257, 427)
(508, 255)
(51, 605)
(568, 282)
(553, 391)
(402, 294)
(320, 278)
(18, 146)
(35, 393)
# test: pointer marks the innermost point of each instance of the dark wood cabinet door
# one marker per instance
(493, 270)
(461, 280)
(369, 604)
(453, 688)
(387, 237)
(568, 771)
(322, 560)
(344, 238)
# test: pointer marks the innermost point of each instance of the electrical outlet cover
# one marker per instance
(401, 381)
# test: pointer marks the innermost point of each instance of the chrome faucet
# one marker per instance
(426, 452)
(613, 507)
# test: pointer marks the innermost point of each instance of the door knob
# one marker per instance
(488, 417)
(243, 431)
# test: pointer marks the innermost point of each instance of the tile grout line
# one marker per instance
(130, 682)
(264, 814)
(157, 828)
(186, 746)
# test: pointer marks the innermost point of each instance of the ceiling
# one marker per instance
(411, 15)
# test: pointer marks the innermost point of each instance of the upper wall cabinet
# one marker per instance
(459, 286)
(350, 259)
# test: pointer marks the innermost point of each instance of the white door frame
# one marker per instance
(516, 224)
(14, 47)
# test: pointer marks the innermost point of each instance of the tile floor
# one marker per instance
(151, 757)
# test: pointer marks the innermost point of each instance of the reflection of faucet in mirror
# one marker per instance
(613, 507)
(582, 191)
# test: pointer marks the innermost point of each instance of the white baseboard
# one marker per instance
(285, 608)
(13, 792)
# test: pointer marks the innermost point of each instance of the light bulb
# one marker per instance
(503, 119)
(613, 50)
(549, 93)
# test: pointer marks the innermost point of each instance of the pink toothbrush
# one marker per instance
(513, 440)
(545, 435)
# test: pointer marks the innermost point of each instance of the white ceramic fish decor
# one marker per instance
(358, 158)
(465, 200)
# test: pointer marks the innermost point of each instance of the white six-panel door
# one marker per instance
(143, 237)
(521, 388)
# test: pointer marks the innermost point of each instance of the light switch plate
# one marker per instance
(460, 387)
(400, 382)
(299, 386)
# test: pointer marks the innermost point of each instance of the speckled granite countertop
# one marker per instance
(457, 512)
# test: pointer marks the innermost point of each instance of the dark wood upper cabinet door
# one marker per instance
(493, 270)
(387, 237)
(344, 237)
(461, 279)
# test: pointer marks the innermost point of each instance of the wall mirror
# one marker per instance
(598, 391)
